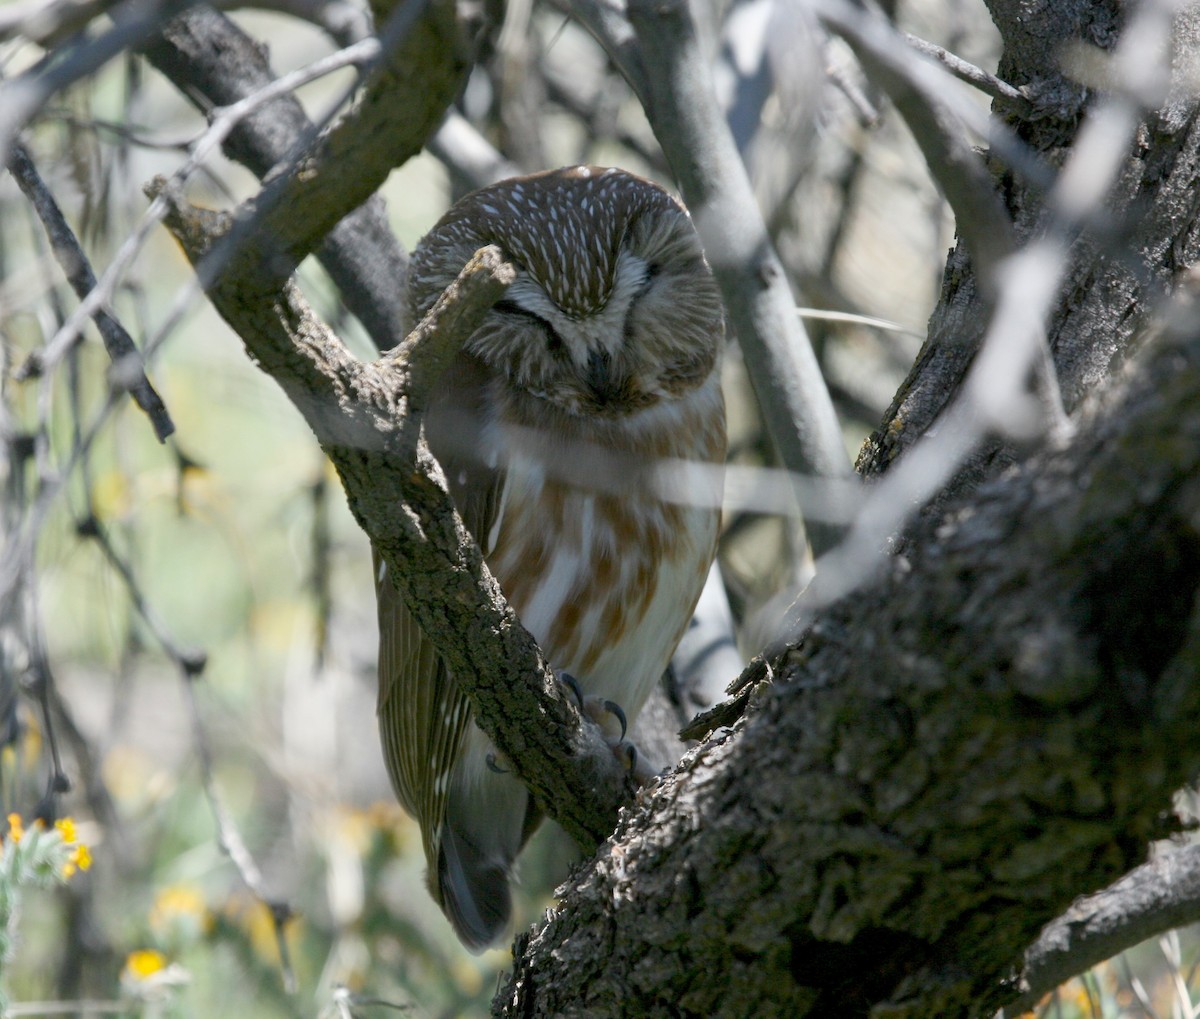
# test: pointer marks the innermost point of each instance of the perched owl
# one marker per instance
(600, 363)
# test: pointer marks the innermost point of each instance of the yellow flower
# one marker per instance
(144, 963)
(80, 859)
(15, 828)
(66, 828)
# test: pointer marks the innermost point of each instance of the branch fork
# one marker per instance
(367, 418)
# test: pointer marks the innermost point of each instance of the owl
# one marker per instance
(600, 363)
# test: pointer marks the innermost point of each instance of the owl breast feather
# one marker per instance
(605, 574)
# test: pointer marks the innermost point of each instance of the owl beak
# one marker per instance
(599, 376)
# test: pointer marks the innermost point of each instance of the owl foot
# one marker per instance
(493, 764)
(610, 717)
(601, 711)
(572, 684)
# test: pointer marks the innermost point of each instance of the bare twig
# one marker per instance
(918, 91)
(43, 21)
(23, 96)
(223, 122)
(128, 372)
(230, 839)
(344, 22)
(191, 664)
(964, 70)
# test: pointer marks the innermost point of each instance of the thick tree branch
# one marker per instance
(943, 764)
(426, 57)
(366, 418)
(215, 64)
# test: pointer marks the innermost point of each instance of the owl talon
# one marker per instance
(598, 709)
(572, 684)
(640, 769)
(602, 712)
(615, 709)
(627, 753)
(493, 765)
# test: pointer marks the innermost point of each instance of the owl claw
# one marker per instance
(572, 684)
(640, 769)
(603, 712)
(598, 709)
(615, 709)
(628, 753)
(493, 765)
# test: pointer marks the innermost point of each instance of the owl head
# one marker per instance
(614, 309)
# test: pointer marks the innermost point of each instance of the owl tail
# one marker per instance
(474, 890)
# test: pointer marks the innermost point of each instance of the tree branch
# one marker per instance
(995, 87)
(1154, 898)
(425, 59)
(128, 373)
(215, 64)
(367, 420)
(1115, 273)
(1030, 699)
(918, 92)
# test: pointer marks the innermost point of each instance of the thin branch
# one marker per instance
(230, 839)
(343, 22)
(224, 121)
(23, 96)
(964, 70)
(918, 92)
(191, 664)
(128, 371)
(1156, 897)
(44, 21)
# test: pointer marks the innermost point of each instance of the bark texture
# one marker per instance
(937, 770)
(954, 754)
(1114, 281)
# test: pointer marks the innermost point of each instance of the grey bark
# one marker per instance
(1116, 277)
(950, 756)
(940, 766)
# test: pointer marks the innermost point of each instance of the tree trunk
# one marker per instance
(995, 726)
(937, 769)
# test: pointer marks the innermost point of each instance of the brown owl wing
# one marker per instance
(423, 716)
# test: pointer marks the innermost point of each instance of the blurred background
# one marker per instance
(230, 546)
